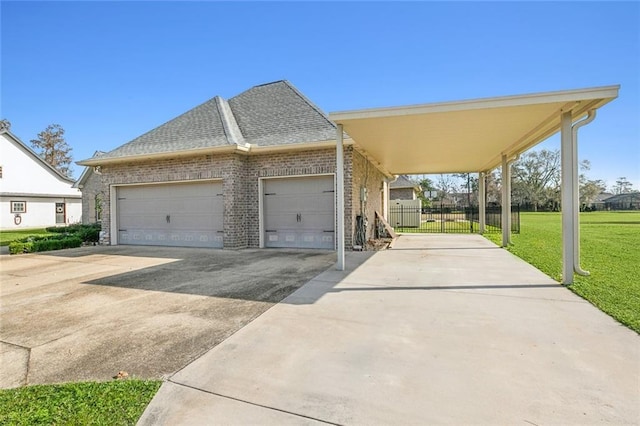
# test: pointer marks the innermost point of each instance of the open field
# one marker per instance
(7, 236)
(610, 251)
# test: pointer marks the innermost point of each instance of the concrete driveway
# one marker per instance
(442, 329)
(88, 313)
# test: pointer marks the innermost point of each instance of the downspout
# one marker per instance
(576, 198)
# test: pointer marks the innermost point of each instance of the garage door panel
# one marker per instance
(299, 212)
(185, 215)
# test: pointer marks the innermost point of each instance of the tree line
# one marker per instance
(535, 182)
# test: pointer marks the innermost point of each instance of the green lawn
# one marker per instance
(610, 250)
(7, 236)
(119, 402)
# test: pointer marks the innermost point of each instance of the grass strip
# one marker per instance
(609, 243)
(8, 236)
(118, 402)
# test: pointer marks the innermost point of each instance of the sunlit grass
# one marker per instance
(7, 236)
(610, 251)
(118, 402)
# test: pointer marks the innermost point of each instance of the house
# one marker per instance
(257, 170)
(32, 193)
(598, 202)
(403, 188)
(90, 184)
(628, 201)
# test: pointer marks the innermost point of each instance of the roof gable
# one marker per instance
(278, 114)
(200, 127)
(403, 182)
(267, 115)
(35, 157)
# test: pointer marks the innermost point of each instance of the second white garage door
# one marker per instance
(181, 215)
(299, 212)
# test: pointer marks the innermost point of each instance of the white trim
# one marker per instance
(482, 207)
(113, 212)
(482, 103)
(340, 264)
(567, 164)
(226, 149)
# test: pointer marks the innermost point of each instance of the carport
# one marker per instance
(476, 136)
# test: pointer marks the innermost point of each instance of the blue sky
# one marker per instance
(110, 71)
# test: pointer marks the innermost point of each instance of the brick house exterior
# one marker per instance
(93, 194)
(239, 163)
(403, 189)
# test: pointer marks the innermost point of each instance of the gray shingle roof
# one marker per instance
(278, 114)
(266, 115)
(200, 127)
(402, 182)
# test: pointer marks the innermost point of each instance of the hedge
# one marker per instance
(67, 237)
(88, 233)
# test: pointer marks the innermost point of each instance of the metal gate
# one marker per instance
(446, 218)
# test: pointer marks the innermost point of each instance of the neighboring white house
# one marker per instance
(32, 193)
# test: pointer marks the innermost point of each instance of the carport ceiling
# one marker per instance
(464, 136)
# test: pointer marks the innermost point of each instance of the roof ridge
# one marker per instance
(308, 101)
(229, 123)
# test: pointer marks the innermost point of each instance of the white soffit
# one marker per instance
(464, 136)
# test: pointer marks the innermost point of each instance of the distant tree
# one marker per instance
(536, 178)
(469, 184)
(493, 187)
(51, 146)
(4, 124)
(426, 184)
(622, 186)
(590, 189)
(446, 185)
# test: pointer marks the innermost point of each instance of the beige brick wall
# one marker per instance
(401, 194)
(240, 175)
(366, 175)
(92, 187)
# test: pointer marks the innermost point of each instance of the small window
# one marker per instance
(98, 207)
(0, 172)
(18, 207)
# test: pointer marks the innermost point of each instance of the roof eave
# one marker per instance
(162, 155)
(603, 92)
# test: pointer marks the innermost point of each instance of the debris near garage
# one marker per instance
(379, 244)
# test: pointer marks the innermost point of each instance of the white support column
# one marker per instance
(568, 163)
(482, 213)
(340, 197)
(506, 202)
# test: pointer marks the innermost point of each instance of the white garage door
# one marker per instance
(299, 212)
(182, 215)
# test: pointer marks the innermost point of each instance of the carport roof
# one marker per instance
(464, 136)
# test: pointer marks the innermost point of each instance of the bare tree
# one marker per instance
(51, 146)
(622, 186)
(446, 185)
(536, 178)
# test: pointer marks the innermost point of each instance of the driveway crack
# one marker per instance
(256, 404)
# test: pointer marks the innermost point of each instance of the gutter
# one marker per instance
(247, 149)
(576, 199)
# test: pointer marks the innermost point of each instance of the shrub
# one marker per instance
(87, 233)
(17, 247)
(41, 243)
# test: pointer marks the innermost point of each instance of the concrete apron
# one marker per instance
(440, 329)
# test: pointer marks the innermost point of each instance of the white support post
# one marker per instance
(506, 201)
(340, 197)
(482, 213)
(568, 163)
